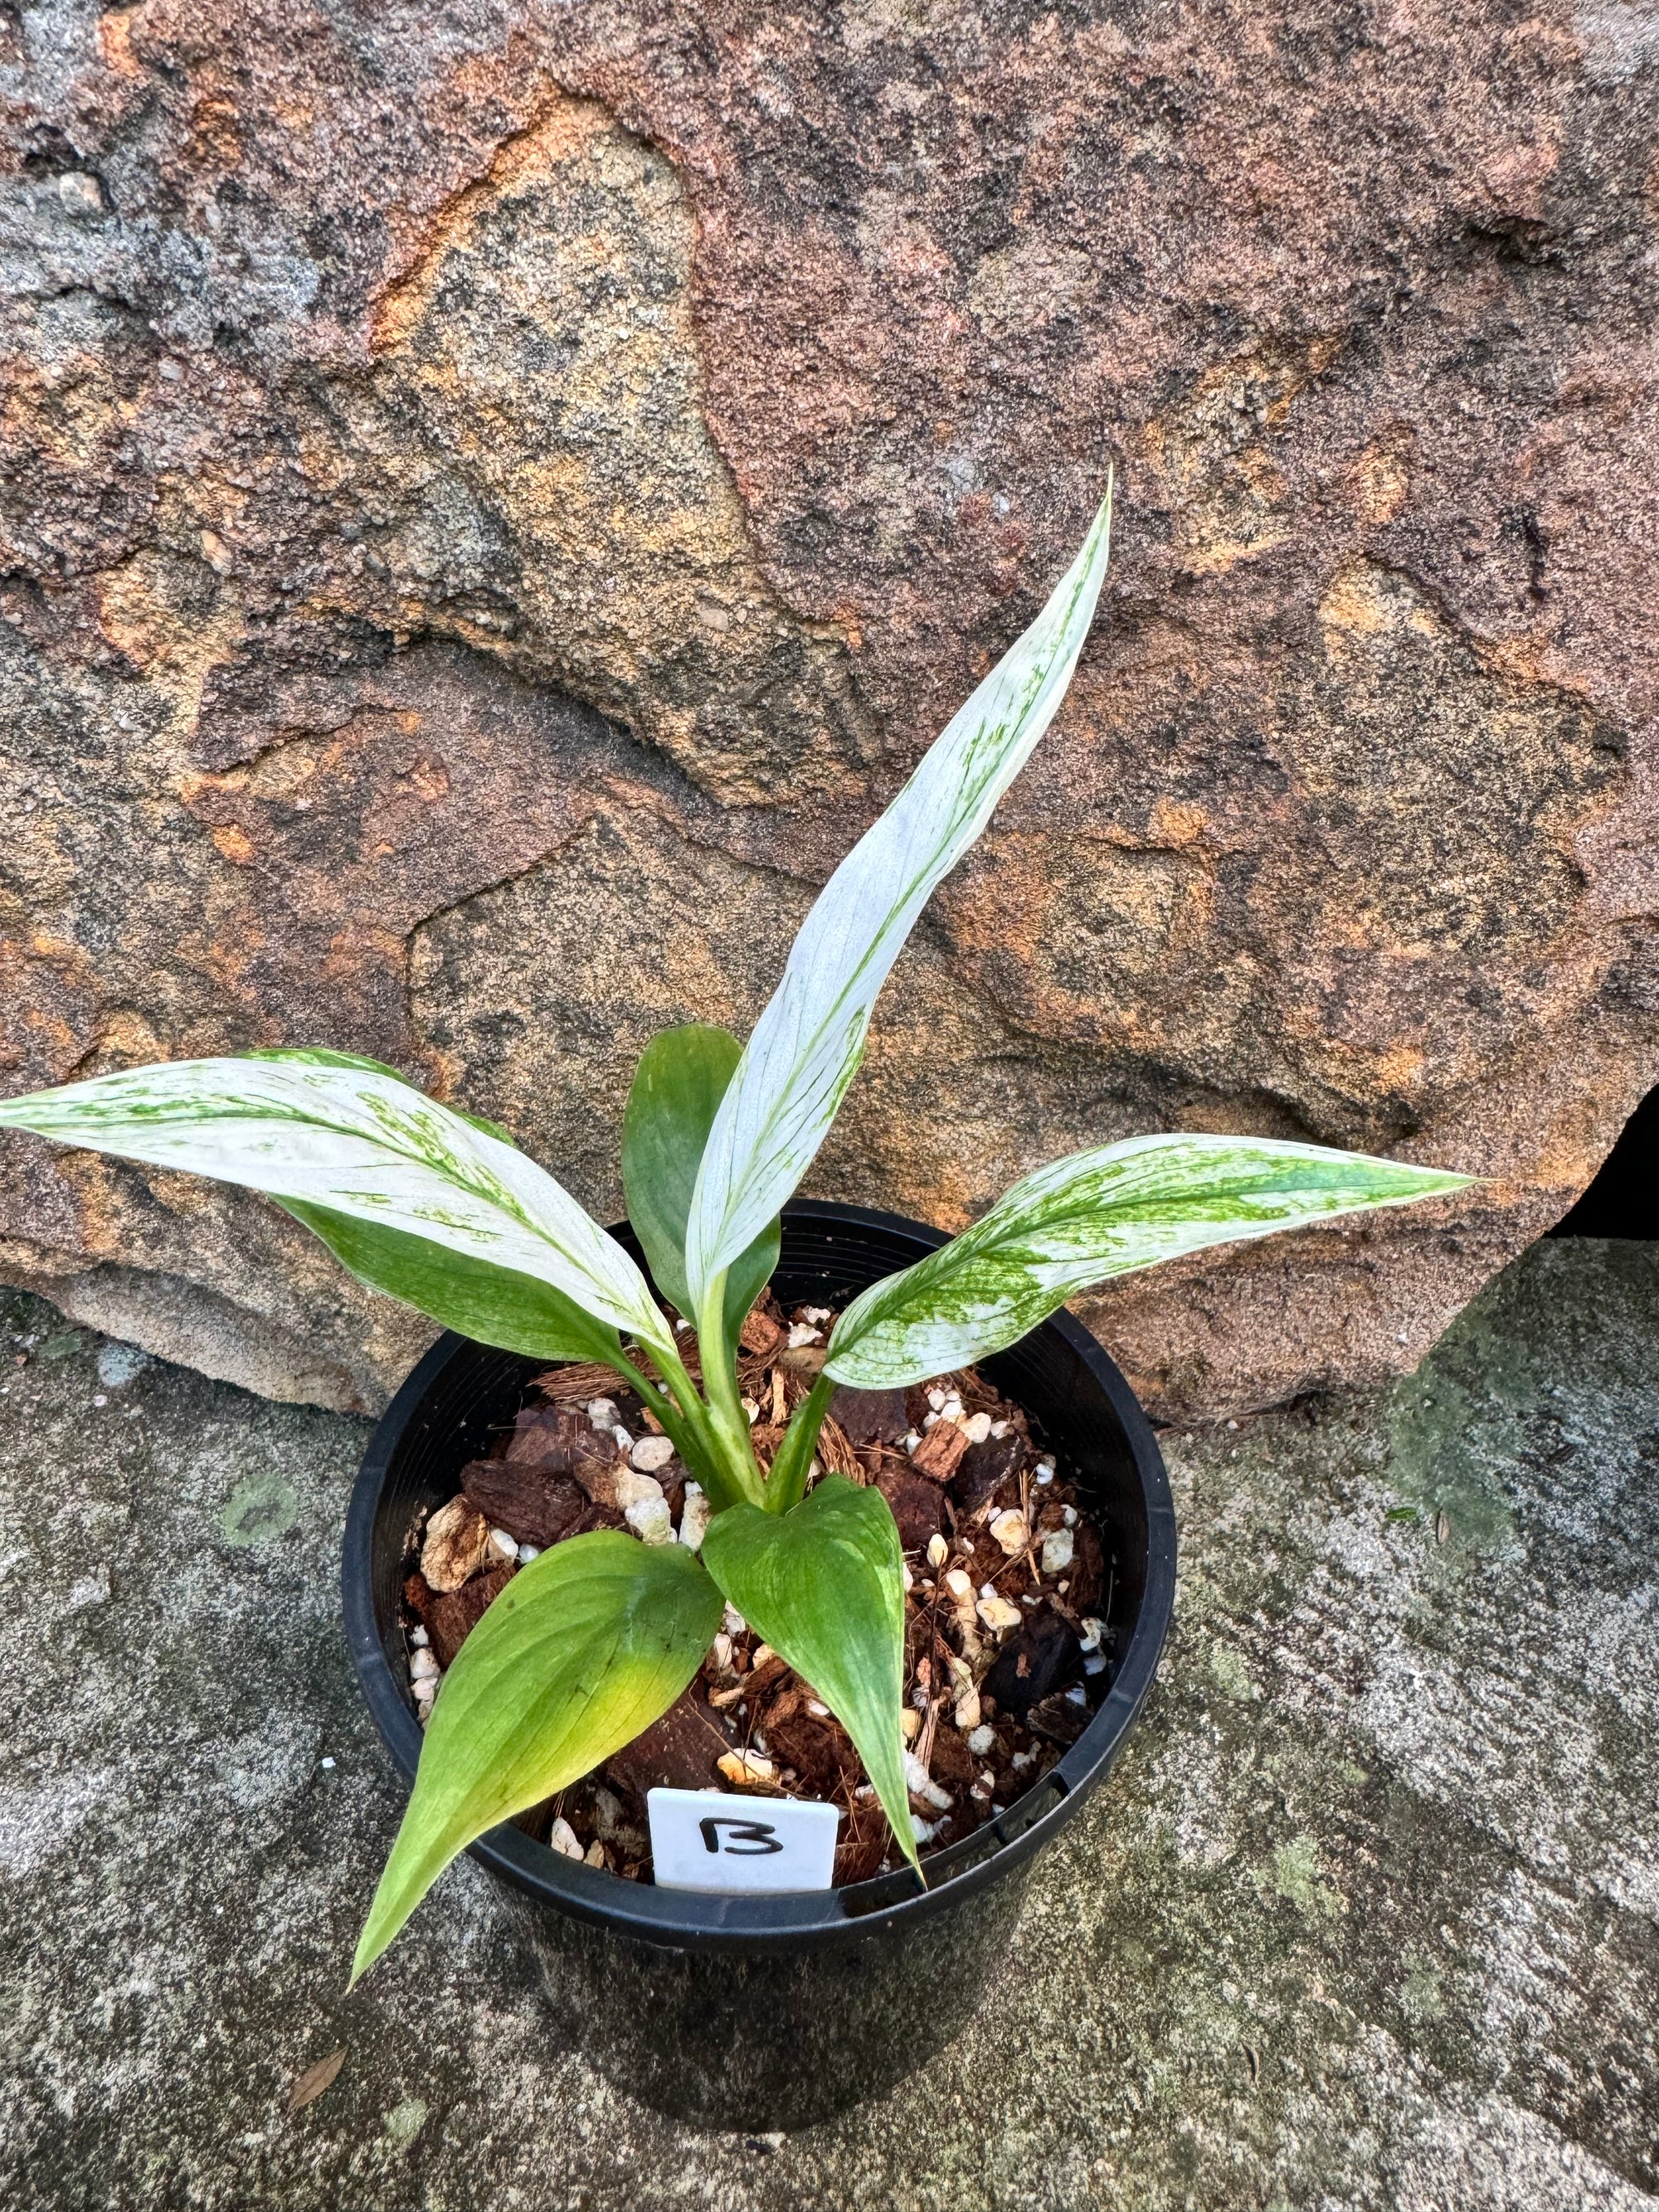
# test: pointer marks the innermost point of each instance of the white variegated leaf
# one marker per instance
(1100, 1213)
(807, 1044)
(323, 1131)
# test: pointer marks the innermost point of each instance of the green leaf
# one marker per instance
(806, 1046)
(825, 1585)
(490, 1304)
(321, 1129)
(583, 1647)
(1100, 1213)
(677, 1087)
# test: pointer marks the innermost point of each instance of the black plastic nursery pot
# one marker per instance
(775, 2012)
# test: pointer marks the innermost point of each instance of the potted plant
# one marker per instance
(591, 1642)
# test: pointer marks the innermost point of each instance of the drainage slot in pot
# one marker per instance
(892, 1889)
(984, 1845)
(880, 1895)
(1053, 1789)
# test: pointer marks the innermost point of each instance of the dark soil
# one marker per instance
(996, 1701)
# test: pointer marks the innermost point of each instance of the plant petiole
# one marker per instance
(786, 1484)
(720, 1375)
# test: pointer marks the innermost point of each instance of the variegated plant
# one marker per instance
(596, 1638)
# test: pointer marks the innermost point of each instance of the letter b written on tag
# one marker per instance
(742, 1838)
(706, 1839)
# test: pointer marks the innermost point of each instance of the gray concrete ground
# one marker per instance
(1366, 1918)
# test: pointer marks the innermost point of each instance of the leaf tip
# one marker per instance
(384, 1923)
(1440, 1183)
(905, 1838)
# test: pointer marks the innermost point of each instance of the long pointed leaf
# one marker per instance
(825, 1585)
(359, 1142)
(682, 1075)
(582, 1649)
(806, 1046)
(1097, 1214)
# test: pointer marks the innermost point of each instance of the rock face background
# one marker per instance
(495, 497)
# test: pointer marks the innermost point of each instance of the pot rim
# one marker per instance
(690, 1920)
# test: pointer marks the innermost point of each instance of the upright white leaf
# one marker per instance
(1100, 1213)
(806, 1046)
(343, 1134)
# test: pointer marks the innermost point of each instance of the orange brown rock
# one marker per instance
(459, 609)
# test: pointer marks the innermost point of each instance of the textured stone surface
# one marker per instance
(1366, 1917)
(392, 393)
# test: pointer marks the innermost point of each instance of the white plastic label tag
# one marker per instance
(708, 1839)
